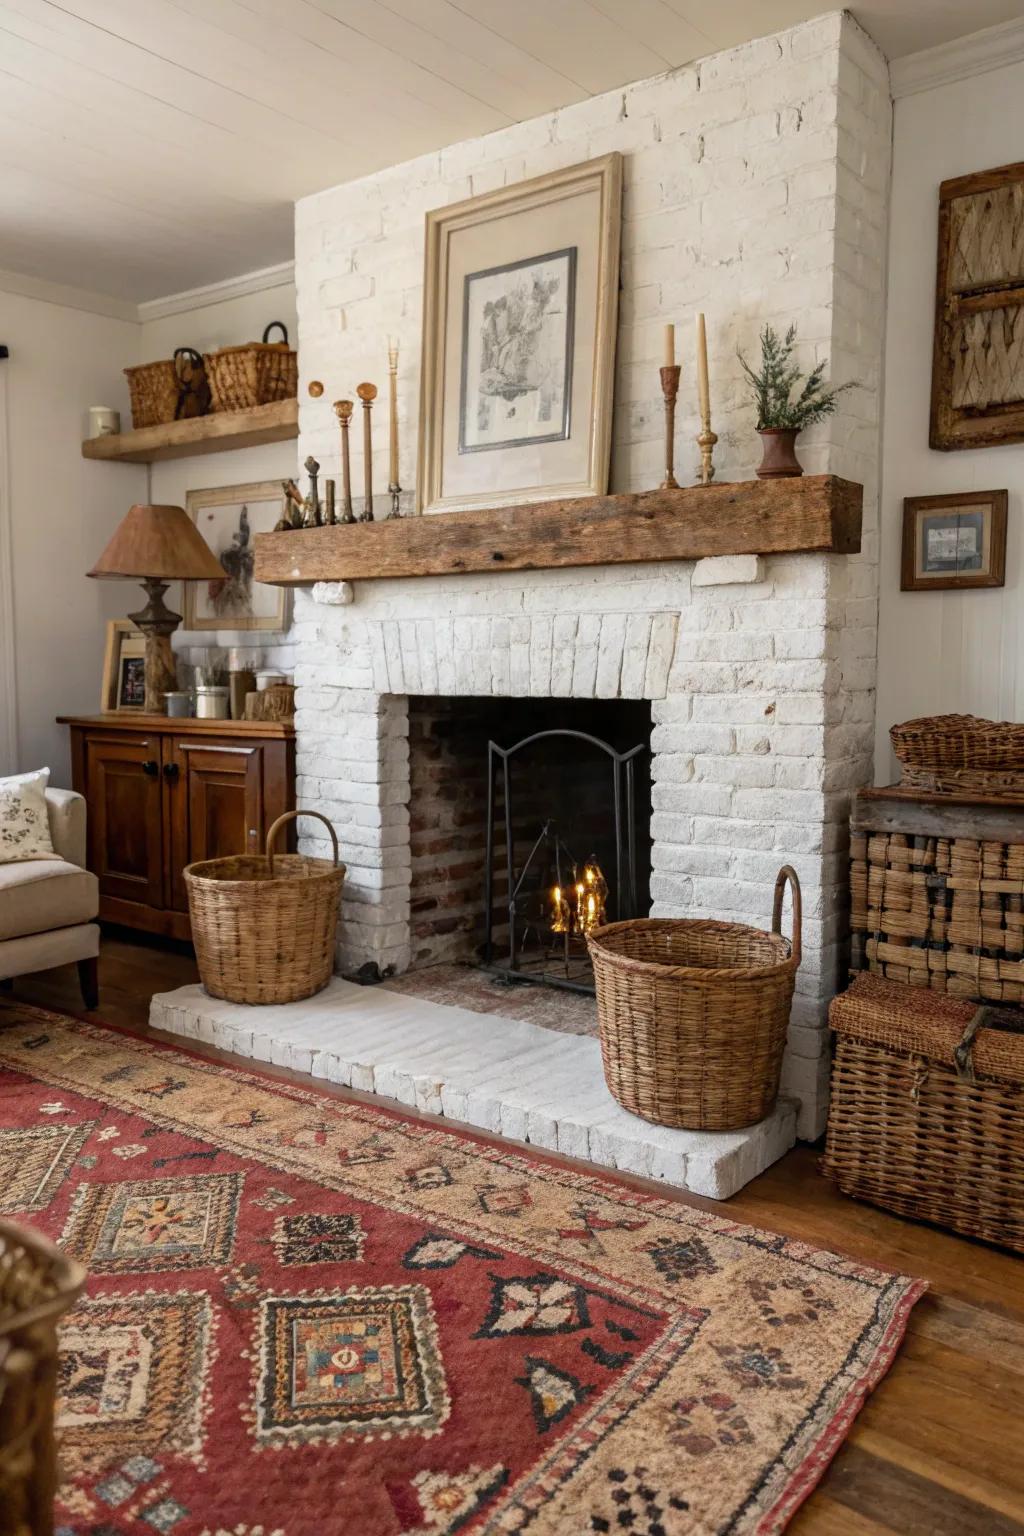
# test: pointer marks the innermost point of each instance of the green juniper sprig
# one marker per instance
(773, 386)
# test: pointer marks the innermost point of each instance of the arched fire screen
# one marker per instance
(561, 854)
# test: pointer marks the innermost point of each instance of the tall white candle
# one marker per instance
(670, 346)
(702, 372)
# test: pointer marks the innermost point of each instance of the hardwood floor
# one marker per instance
(939, 1447)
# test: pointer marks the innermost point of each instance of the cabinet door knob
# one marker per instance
(171, 771)
(151, 767)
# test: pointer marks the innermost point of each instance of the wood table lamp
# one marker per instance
(158, 545)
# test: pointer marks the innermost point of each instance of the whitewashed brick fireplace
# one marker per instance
(755, 189)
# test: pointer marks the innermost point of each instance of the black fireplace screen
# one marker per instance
(561, 856)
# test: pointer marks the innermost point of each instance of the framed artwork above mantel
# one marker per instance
(519, 322)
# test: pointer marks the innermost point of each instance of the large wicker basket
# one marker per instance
(693, 1015)
(257, 373)
(927, 1108)
(264, 925)
(167, 390)
(37, 1285)
(961, 754)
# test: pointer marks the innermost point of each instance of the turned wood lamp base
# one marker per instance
(157, 623)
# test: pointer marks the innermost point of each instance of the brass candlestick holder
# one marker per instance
(312, 519)
(343, 411)
(367, 394)
(670, 389)
(329, 517)
(706, 440)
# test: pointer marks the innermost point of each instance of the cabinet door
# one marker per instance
(214, 804)
(125, 828)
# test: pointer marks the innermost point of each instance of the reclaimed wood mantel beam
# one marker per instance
(817, 513)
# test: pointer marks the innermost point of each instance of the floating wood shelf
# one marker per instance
(818, 513)
(201, 434)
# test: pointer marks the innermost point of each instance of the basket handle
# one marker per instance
(277, 325)
(787, 876)
(293, 816)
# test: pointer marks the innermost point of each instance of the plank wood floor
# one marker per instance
(939, 1447)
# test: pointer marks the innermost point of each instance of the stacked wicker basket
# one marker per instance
(927, 1111)
(229, 379)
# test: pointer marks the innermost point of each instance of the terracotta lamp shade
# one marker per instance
(157, 545)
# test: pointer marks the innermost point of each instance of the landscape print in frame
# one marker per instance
(520, 313)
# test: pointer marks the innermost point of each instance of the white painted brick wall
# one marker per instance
(755, 188)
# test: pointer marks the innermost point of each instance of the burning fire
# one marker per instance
(581, 907)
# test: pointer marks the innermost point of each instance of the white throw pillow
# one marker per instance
(24, 822)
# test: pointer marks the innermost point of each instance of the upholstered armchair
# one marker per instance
(48, 907)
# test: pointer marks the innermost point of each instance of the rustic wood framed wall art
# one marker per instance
(978, 358)
(519, 322)
(229, 517)
(952, 541)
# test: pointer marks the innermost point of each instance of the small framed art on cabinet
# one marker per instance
(954, 541)
(124, 667)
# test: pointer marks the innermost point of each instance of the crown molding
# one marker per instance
(976, 54)
(41, 288)
(280, 276)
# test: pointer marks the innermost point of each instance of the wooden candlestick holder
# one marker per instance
(706, 440)
(343, 411)
(670, 389)
(367, 394)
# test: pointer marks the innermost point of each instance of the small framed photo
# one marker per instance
(124, 667)
(954, 541)
(229, 517)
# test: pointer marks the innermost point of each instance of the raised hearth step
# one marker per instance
(502, 1075)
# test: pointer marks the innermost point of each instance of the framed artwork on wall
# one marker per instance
(229, 517)
(519, 321)
(954, 541)
(978, 354)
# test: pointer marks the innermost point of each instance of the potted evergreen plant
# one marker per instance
(781, 413)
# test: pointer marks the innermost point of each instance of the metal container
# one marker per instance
(212, 703)
(179, 705)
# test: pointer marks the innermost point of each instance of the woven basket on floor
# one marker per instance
(693, 1015)
(927, 1108)
(257, 373)
(37, 1285)
(264, 925)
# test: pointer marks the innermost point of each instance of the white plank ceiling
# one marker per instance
(151, 146)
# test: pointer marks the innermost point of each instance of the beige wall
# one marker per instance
(939, 651)
(62, 511)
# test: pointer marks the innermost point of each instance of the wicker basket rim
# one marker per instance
(691, 972)
(210, 872)
(251, 346)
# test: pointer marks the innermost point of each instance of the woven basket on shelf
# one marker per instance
(927, 1108)
(693, 1015)
(168, 390)
(947, 754)
(257, 373)
(264, 925)
(37, 1285)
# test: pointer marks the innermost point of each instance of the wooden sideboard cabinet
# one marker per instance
(162, 793)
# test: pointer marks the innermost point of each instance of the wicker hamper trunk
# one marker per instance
(693, 1015)
(927, 1108)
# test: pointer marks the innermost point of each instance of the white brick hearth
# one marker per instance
(755, 187)
(501, 1075)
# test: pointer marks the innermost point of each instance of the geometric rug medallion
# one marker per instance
(307, 1316)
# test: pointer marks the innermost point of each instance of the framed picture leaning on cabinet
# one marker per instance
(229, 517)
(519, 320)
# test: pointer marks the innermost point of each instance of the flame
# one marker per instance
(581, 908)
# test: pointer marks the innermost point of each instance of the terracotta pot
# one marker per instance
(779, 461)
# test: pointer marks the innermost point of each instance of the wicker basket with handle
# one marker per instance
(693, 1015)
(37, 1284)
(927, 1108)
(168, 390)
(257, 373)
(264, 925)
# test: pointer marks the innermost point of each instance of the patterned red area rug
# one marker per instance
(312, 1318)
